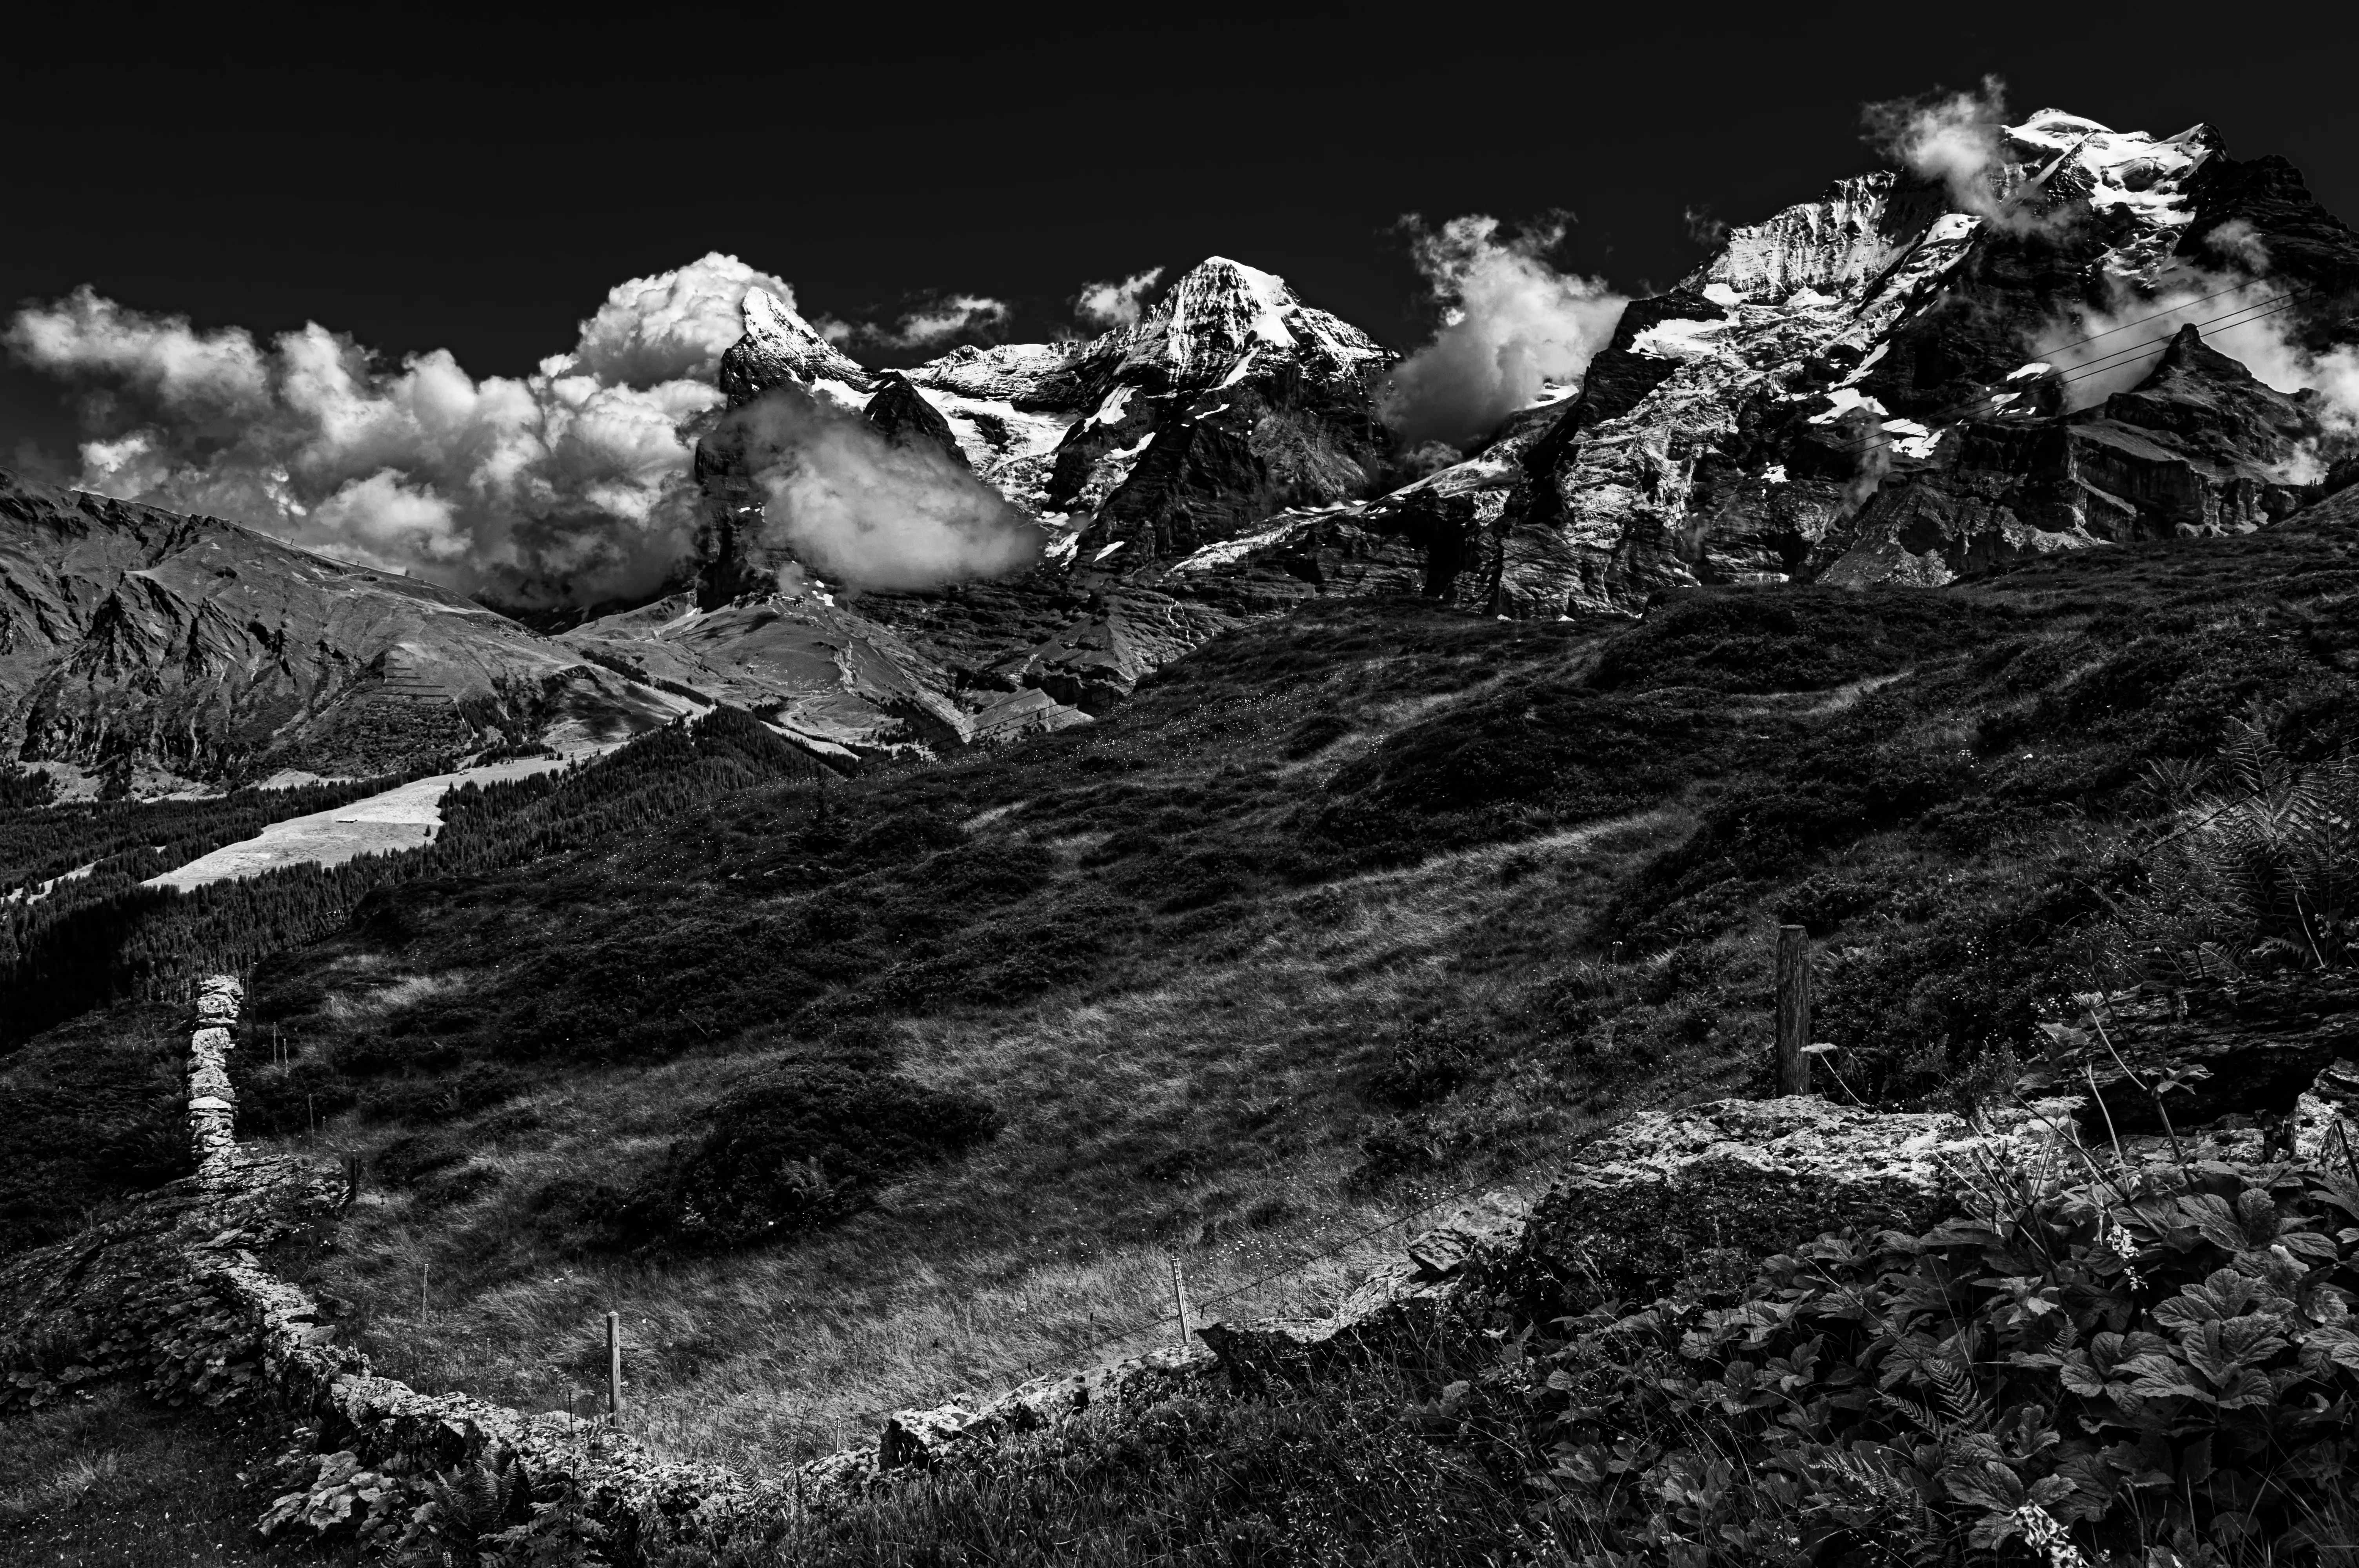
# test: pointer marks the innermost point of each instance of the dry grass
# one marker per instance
(1218, 1113)
(353, 1006)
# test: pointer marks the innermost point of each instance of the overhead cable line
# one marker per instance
(2256, 311)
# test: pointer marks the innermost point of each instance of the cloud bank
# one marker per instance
(1115, 303)
(570, 485)
(1511, 322)
(872, 512)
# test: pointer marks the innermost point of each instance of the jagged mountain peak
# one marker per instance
(780, 346)
(901, 413)
(2120, 175)
(1221, 315)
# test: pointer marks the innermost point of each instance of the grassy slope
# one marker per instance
(1321, 921)
(112, 1480)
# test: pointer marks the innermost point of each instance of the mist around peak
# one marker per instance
(1511, 322)
(862, 509)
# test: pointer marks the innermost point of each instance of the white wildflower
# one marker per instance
(2046, 1535)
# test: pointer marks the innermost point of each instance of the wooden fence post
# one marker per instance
(614, 1366)
(1179, 1295)
(1793, 1009)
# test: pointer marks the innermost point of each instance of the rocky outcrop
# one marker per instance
(2262, 1044)
(1669, 1194)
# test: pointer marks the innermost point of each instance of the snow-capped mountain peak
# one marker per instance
(2120, 174)
(780, 346)
(1221, 311)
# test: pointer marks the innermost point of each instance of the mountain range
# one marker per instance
(1903, 381)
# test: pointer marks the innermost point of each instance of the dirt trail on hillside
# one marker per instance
(404, 817)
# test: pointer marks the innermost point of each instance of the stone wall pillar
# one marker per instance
(213, 1107)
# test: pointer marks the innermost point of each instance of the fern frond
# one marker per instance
(1967, 1407)
(1922, 1414)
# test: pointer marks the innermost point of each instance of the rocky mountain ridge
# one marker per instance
(1877, 386)
(197, 646)
(1849, 390)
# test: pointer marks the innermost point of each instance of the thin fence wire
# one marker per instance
(1065, 1360)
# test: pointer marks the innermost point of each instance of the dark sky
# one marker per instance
(480, 190)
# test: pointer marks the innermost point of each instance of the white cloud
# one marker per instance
(1113, 304)
(569, 485)
(1953, 138)
(1511, 322)
(872, 512)
(926, 326)
(674, 326)
(192, 374)
(2111, 348)
(1959, 139)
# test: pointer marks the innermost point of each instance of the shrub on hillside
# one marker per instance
(1803, 639)
(797, 1149)
(2260, 873)
(1428, 1062)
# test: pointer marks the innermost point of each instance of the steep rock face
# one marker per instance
(129, 632)
(2198, 447)
(1855, 388)
(901, 413)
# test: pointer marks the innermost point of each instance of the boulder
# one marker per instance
(1666, 1195)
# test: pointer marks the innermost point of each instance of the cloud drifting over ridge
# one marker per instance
(2113, 346)
(927, 325)
(1116, 303)
(1958, 139)
(1511, 322)
(571, 484)
(871, 512)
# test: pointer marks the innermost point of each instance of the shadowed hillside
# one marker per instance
(1342, 910)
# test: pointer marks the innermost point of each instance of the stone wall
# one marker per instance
(179, 1290)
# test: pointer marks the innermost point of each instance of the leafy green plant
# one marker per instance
(338, 1495)
(2080, 1368)
(2261, 875)
(468, 1508)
